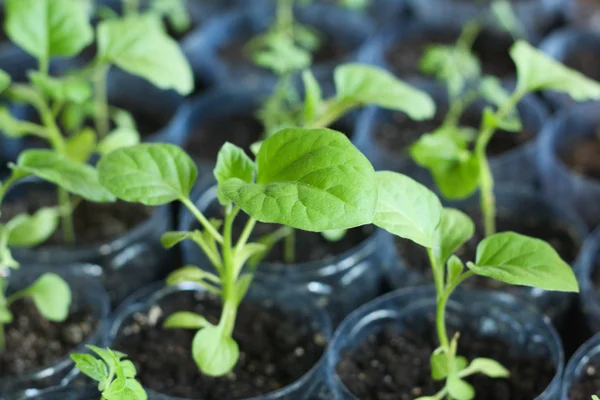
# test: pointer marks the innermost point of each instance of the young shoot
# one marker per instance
(114, 374)
(136, 44)
(409, 210)
(310, 179)
(459, 169)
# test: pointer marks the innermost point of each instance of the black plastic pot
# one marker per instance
(576, 48)
(495, 315)
(127, 262)
(559, 182)
(267, 296)
(585, 361)
(588, 274)
(15, 61)
(340, 283)
(522, 212)
(205, 48)
(515, 166)
(87, 294)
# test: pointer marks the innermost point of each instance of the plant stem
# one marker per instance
(101, 116)
(245, 234)
(289, 247)
(438, 276)
(335, 110)
(202, 219)
(66, 215)
(228, 276)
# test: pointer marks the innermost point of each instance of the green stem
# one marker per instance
(228, 278)
(440, 318)
(101, 116)
(66, 215)
(335, 110)
(7, 185)
(245, 234)
(289, 247)
(438, 275)
(202, 219)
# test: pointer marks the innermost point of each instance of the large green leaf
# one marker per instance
(454, 230)
(406, 208)
(366, 84)
(77, 178)
(215, 353)
(537, 71)
(139, 45)
(310, 179)
(232, 162)
(521, 260)
(48, 28)
(152, 174)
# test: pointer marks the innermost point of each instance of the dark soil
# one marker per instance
(275, 350)
(206, 141)
(583, 157)
(33, 343)
(492, 49)
(559, 236)
(588, 384)
(585, 62)
(398, 133)
(393, 366)
(94, 222)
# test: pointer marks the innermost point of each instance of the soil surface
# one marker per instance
(399, 132)
(393, 366)
(206, 141)
(492, 49)
(275, 350)
(583, 157)
(93, 222)
(585, 62)
(588, 384)
(33, 343)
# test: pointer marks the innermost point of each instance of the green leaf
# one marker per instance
(52, 297)
(77, 178)
(334, 235)
(436, 150)
(6, 316)
(459, 389)
(214, 352)
(510, 123)
(48, 28)
(537, 71)
(366, 84)
(232, 163)
(242, 285)
(310, 179)
(151, 174)
(13, 127)
(406, 208)
(186, 320)
(455, 268)
(139, 45)
(66, 89)
(190, 273)
(107, 356)
(117, 139)
(506, 17)
(31, 230)
(4, 81)
(128, 369)
(454, 230)
(488, 367)
(133, 391)
(451, 64)
(312, 95)
(81, 145)
(171, 239)
(439, 365)
(520, 260)
(90, 366)
(594, 397)
(458, 180)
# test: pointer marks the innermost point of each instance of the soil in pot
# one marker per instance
(207, 139)
(33, 343)
(583, 156)
(94, 223)
(492, 49)
(393, 366)
(588, 383)
(276, 349)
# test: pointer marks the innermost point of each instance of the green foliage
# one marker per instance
(114, 374)
(215, 352)
(26, 230)
(233, 163)
(4, 81)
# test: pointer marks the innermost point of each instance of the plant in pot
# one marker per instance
(409, 210)
(309, 179)
(64, 105)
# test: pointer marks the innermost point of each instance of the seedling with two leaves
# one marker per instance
(409, 210)
(136, 44)
(114, 374)
(310, 179)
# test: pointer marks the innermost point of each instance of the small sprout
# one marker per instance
(115, 375)
(594, 397)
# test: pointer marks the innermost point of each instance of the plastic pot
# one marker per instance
(493, 315)
(205, 48)
(587, 354)
(587, 276)
(340, 283)
(520, 211)
(558, 181)
(127, 262)
(576, 48)
(87, 294)
(63, 393)
(15, 61)
(268, 296)
(515, 166)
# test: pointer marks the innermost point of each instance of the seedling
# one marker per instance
(310, 179)
(459, 171)
(136, 44)
(594, 397)
(409, 210)
(114, 374)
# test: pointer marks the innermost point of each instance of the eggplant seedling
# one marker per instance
(310, 179)
(457, 169)
(409, 210)
(115, 375)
